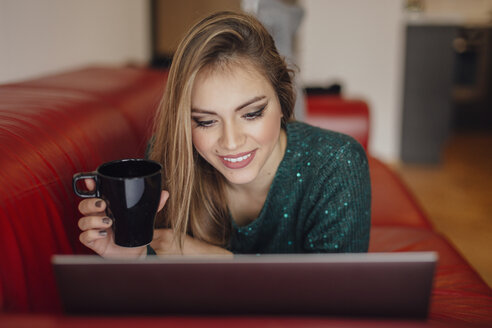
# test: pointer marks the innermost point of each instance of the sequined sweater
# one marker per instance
(319, 200)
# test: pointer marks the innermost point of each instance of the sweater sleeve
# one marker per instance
(339, 204)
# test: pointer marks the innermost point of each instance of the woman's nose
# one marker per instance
(232, 137)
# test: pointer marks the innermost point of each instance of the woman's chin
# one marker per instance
(239, 178)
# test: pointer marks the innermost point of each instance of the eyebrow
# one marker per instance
(247, 103)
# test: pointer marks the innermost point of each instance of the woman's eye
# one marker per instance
(255, 114)
(203, 124)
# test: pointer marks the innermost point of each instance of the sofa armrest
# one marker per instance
(335, 113)
(51, 128)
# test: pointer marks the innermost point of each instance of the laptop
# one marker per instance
(369, 285)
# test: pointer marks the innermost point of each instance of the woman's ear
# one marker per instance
(164, 198)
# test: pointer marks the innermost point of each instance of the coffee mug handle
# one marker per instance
(85, 175)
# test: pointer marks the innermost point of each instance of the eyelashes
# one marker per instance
(256, 114)
(248, 116)
(203, 124)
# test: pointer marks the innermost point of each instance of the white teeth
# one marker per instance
(238, 159)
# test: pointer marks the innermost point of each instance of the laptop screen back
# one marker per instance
(373, 284)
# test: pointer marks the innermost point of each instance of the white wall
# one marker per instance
(40, 37)
(360, 44)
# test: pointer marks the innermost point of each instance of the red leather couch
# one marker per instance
(57, 125)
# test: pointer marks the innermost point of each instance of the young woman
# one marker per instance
(240, 174)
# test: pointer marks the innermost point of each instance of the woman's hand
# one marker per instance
(96, 228)
(163, 245)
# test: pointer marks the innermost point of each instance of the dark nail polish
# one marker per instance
(103, 232)
(99, 203)
(106, 220)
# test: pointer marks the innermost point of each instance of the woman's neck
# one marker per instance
(245, 201)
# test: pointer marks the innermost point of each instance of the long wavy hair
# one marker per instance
(197, 203)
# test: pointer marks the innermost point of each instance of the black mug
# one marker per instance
(131, 189)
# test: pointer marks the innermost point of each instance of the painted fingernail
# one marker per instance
(103, 233)
(98, 203)
(106, 220)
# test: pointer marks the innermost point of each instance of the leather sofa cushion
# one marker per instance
(392, 203)
(459, 294)
(46, 135)
(125, 88)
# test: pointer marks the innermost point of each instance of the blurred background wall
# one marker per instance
(359, 44)
(41, 37)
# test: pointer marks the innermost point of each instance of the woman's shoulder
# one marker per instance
(302, 137)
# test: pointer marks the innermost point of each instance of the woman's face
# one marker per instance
(236, 119)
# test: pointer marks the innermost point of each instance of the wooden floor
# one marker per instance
(457, 196)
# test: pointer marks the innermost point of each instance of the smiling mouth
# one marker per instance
(239, 161)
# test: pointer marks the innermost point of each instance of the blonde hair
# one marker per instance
(197, 203)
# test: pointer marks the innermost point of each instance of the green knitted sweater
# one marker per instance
(319, 200)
